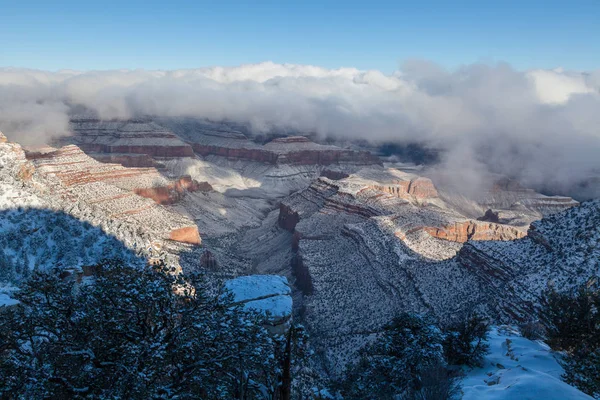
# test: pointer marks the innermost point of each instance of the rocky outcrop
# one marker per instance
(419, 188)
(490, 216)
(475, 230)
(422, 188)
(189, 235)
(73, 167)
(174, 192)
(539, 238)
(12, 157)
(288, 218)
(110, 189)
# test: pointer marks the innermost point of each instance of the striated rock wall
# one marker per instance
(507, 298)
(136, 136)
(258, 155)
(420, 188)
(291, 156)
(110, 190)
(147, 149)
(126, 160)
(475, 230)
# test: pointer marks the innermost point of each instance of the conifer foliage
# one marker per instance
(136, 334)
(407, 360)
(572, 321)
(465, 341)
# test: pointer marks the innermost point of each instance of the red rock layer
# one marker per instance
(150, 150)
(421, 188)
(174, 192)
(259, 155)
(474, 230)
(298, 157)
(188, 235)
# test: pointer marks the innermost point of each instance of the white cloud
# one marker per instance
(556, 87)
(539, 126)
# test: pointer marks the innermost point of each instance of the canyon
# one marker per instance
(357, 238)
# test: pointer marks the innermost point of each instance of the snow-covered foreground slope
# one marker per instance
(518, 368)
(32, 239)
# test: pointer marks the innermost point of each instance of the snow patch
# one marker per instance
(262, 293)
(518, 368)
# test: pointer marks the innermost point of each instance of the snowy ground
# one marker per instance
(518, 368)
(263, 293)
(5, 296)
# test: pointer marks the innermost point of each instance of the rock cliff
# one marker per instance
(136, 136)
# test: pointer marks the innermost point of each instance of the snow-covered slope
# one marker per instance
(58, 210)
(518, 368)
(33, 238)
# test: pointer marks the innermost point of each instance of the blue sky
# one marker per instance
(364, 34)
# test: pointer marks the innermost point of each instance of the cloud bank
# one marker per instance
(539, 126)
